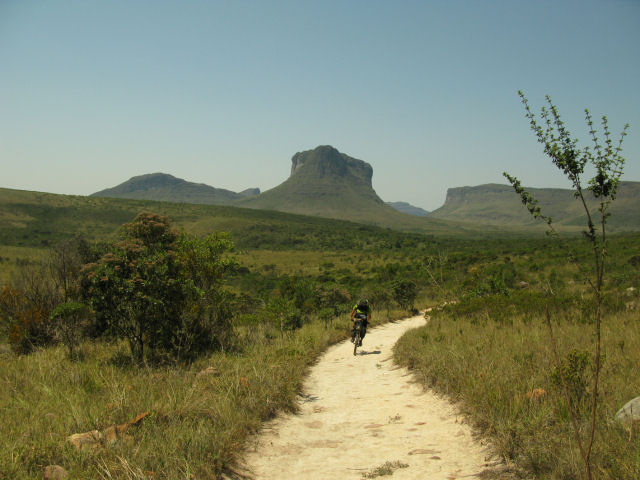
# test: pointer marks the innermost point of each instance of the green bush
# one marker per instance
(69, 322)
(162, 291)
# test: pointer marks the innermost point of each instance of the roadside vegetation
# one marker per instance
(273, 296)
(545, 370)
(492, 354)
(162, 352)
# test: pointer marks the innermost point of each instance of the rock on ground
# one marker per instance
(630, 412)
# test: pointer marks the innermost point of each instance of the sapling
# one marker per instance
(606, 159)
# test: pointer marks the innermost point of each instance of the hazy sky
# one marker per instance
(225, 92)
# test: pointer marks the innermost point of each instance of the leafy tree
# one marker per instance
(65, 262)
(333, 298)
(283, 315)
(205, 323)
(25, 318)
(405, 293)
(300, 290)
(380, 297)
(607, 162)
(25, 308)
(69, 321)
(161, 290)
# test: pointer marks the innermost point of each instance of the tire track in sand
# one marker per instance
(356, 413)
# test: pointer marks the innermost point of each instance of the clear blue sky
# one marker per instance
(225, 92)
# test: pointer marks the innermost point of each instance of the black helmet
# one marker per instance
(363, 302)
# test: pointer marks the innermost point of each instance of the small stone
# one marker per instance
(208, 371)
(95, 439)
(86, 441)
(630, 412)
(423, 451)
(55, 472)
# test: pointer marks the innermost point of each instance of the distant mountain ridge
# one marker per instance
(496, 204)
(323, 183)
(165, 187)
(409, 209)
(327, 183)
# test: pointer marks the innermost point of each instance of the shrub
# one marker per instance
(162, 291)
(69, 322)
(405, 293)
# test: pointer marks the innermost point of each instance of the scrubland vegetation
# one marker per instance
(171, 347)
(490, 351)
(544, 371)
(150, 320)
(493, 354)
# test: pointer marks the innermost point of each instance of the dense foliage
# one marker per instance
(162, 291)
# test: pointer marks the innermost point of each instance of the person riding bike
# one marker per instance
(360, 310)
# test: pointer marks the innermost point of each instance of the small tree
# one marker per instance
(283, 315)
(405, 293)
(69, 321)
(379, 296)
(161, 290)
(333, 301)
(608, 164)
(65, 261)
(26, 307)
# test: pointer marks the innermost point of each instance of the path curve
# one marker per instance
(357, 413)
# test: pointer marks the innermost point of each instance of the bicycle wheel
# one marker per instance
(356, 342)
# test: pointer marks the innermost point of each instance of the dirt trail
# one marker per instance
(358, 413)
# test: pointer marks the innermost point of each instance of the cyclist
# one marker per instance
(361, 310)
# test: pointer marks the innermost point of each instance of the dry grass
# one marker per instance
(198, 422)
(500, 368)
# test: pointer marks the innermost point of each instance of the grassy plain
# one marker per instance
(488, 351)
(200, 414)
(493, 354)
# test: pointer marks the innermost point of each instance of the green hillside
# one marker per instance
(497, 205)
(167, 188)
(35, 220)
(327, 183)
(32, 221)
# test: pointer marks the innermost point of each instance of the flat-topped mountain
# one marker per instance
(325, 182)
(495, 204)
(167, 188)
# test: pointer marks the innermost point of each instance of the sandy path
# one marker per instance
(358, 413)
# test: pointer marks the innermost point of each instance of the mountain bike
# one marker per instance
(357, 333)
